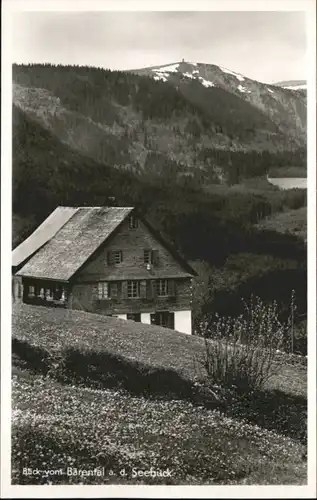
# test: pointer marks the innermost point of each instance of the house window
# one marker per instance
(31, 292)
(151, 257)
(114, 257)
(48, 294)
(148, 257)
(133, 222)
(103, 291)
(161, 288)
(117, 257)
(113, 290)
(133, 289)
(57, 293)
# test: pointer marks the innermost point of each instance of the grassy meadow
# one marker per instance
(291, 221)
(92, 391)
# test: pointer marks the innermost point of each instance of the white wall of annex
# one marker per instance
(183, 321)
(146, 318)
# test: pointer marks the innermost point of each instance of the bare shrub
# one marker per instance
(241, 353)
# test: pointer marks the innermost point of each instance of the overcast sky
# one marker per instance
(265, 46)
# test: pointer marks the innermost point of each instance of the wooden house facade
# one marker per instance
(109, 260)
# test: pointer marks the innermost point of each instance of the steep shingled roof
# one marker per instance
(74, 242)
(42, 234)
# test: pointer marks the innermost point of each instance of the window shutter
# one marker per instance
(110, 258)
(171, 288)
(133, 222)
(149, 290)
(153, 286)
(170, 321)
(147, 256)
(155, 257)
(143, 289)
(124, 290)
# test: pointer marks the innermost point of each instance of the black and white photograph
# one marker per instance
(161, 299)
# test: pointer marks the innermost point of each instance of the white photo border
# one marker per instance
(112, 491)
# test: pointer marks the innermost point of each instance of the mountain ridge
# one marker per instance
(135, 123)
(265, 97)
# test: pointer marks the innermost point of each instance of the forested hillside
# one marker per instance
(135, 123)
(284, 107)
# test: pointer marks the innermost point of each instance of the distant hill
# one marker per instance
(292, 84)
(47, 173)
(283, 108)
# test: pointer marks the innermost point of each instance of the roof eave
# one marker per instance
(42, 278)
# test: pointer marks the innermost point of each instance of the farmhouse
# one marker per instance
(106, 260)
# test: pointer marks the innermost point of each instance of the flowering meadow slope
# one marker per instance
(60, 331)
(100, 394)
(57, 330)
(57, 428)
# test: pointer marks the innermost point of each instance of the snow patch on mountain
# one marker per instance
(237, 75)
(193, 76)
(160, 77)
(172, 68)
(163, 72)
(270, 90)
(243, 89)
(206, 83)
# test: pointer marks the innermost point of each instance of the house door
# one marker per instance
(135, 317)
(163, 318)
